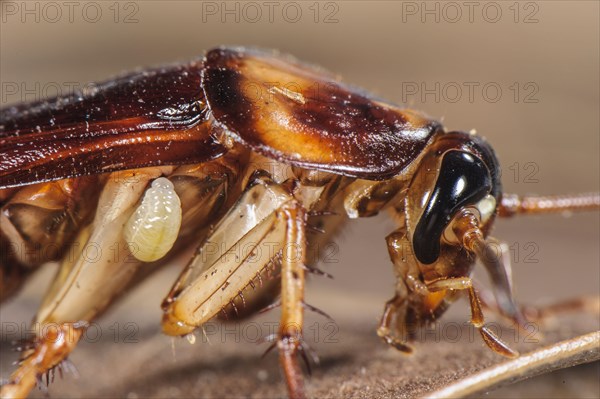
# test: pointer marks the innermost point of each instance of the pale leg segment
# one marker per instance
(84, 286)
(292, 295)
(232, 260)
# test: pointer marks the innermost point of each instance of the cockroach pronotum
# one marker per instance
(239, 148)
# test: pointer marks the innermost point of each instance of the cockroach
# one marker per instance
(239, 148)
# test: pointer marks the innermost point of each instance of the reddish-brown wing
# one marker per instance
(304, 116)
(155, 117)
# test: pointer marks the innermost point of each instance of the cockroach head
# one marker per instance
(459, 173)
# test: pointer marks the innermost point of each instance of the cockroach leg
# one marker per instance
(513, 204)
(393, 308)
(51, 348)
(488, 302)
(272, 306)
(292, 295)
(216, 277)
(317, 271)
(317, 311)
(84, 286)
(477, 319)
(265, 213)
(405, 266)
(495, 257)
(408, 309)
(352, 158)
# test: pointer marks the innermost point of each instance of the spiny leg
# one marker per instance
(234, 259)
(51, 347)
(489, 302)
(84, 284)
(266, 213)
(477, 319)
(292, 296)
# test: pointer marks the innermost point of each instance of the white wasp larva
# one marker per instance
(154, 226)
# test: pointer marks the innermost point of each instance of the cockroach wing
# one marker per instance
(303, 116)
(149, 118)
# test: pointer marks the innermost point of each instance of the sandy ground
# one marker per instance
(356, 366)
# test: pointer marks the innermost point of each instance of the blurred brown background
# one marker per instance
(534, 73)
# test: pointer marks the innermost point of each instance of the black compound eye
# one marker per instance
(463, 180)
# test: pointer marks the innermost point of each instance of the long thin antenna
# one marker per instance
(513, 204)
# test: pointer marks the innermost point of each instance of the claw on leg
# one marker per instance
(288, 349)
(53, 346)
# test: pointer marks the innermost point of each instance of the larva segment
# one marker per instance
(154, 226)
